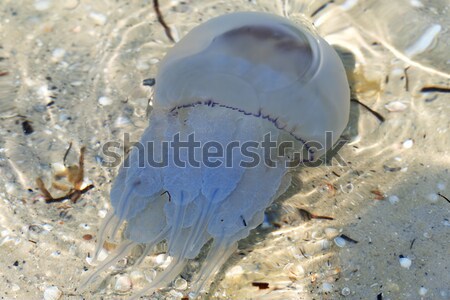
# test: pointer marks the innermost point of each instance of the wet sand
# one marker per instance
(71, 73)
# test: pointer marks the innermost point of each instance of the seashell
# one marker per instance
(395, 106)
(405, 262)
(122, 284)
(340, 242)
(52, 293)
(235, 79)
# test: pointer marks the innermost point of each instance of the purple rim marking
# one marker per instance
(274, 121)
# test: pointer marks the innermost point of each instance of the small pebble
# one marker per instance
(85, 226)
(123, 283)
(58, 54)
(52, 293)
(99, 19)
(327, 287)
(405, 262)
(105, 101)
(422, 291)
(71, 4)
(87, 237)
(64, 118)
(180, 284)
(58, 167)
(47, 227)
(42, 5)
(15, 287)
(416, 3)
(397, 72)
(161, 258)
(393, 199)
(142, 65)
(174, 295)
(347, 188)
(331, 232)
(395, 106)
(150, 275)
(345, 291)
(102, 255)
(121, 121)
(408, 143)
(235, 271)
(317, 235)
(10, 187)
(340, 242)
(324, 244)
(433, 197)
(102, 213)
(136, 276)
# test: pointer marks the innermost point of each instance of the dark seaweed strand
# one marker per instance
(162, 22)
(435, 89)
(321, 8)
(274, 121)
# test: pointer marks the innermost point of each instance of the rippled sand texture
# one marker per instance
(71, 72)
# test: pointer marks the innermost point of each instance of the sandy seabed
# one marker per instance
(71, 72)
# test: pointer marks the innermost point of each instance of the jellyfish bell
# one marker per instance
(230, 81)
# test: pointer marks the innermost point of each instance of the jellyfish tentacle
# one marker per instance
(201, 225)
(177, 226)
(149, 245)
(164, 278)
(118, 254)
(219, 253)
(111, 221)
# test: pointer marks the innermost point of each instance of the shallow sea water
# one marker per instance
(71, 72)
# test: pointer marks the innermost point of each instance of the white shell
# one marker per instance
(235, 78)
(405, 262)
(52, 293)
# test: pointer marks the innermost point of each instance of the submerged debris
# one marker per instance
(261, 285)
(149, 82)
(162, 22)
(27, 128)
(435, 89)
(74, 175)
(442, 196)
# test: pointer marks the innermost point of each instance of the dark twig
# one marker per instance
(435, 89)
(67, 153)
(308, 216)
(439, 194)
(320, 8)
(167, 192)
(348, 239)
(162, 22)
(412, 244)
(74, 195)
(376, 114)
(406, 79)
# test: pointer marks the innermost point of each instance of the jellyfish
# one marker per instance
(242, 79)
